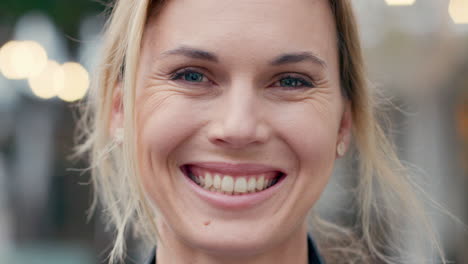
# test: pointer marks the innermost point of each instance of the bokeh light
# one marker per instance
(76, 82)
(458, 10)
(6, 66)
(400, 2)
(22, 59)
(49, 81)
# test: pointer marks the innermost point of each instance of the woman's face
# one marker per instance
(230, 92)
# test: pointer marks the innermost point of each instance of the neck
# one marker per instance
(292, 250)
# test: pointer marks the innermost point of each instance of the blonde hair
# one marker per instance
(383, 192)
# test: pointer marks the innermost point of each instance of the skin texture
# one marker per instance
(238, 111)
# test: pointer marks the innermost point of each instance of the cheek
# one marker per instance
(315, 141)
(164, 121)
(310, 133)
(314, 147)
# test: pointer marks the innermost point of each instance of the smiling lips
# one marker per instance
(232, 179)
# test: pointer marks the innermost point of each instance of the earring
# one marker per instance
(118, 135)
(340, 149)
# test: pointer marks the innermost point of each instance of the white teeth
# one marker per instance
(208, 181)
(260, 183)
(241, 185)
(201, 180)
(227, 184)
(217, 181)
(251, 184)
(267, 183)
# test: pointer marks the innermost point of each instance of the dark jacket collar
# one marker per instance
(314, 256)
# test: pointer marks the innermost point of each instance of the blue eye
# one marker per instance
(294, 82)
(189, 76)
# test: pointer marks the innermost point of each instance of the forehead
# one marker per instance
(245, 29)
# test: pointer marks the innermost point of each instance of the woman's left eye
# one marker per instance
(293, 82)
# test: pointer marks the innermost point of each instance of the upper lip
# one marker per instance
(235, 168)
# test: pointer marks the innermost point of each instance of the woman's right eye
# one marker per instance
(191, 76)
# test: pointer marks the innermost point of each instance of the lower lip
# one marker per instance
(233, 202)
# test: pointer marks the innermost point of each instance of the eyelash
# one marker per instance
(304, 83)
(178, 74)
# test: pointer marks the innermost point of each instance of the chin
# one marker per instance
(234, 242)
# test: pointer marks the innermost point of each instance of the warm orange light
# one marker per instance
(48, 82)
(458, 10)
(400, 2)
(76, 82)
(22, 59)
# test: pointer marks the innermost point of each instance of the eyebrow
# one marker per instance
(281, 59)
(298, 57)
(193, 53)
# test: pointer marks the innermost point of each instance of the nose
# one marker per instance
(240, 121)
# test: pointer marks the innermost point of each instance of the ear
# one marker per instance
(345, 129)
(116, 122)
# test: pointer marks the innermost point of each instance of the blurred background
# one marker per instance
(417, 55)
